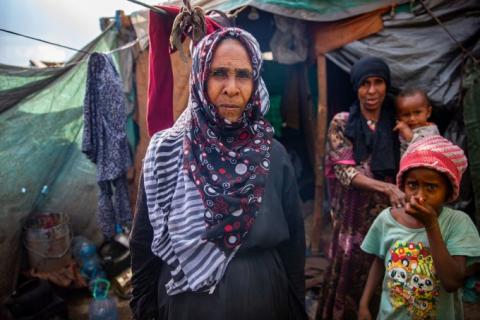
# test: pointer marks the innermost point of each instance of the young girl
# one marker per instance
(421, 250)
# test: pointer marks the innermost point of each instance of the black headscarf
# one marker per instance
(382, 144)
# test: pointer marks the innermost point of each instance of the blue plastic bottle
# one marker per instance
(102, 306)
(85, 254)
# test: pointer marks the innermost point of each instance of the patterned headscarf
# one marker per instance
(228, 162)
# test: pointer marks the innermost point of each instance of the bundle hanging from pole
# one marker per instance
(189, 23)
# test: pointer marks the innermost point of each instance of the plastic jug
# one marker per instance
(85, 254)
(102, 306)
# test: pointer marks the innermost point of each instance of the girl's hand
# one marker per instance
(395, 195)
(364, 313)
(417, 208)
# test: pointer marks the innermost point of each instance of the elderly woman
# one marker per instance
(218, 232)
(361, 163)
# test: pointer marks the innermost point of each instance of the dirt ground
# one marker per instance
(472, 311)
(79, 301)
(78, 309)
(315, 267)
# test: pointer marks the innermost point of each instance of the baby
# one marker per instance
(413, 111)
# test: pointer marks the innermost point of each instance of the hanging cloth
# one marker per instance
(160, 84)
(105, 141)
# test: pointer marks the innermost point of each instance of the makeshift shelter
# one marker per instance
(340, 33)
(44, 168)
(41, 109)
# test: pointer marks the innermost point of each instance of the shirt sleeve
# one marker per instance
(145, 265)
(373, 241)
(463, 238)
(339, 148)
(345, 173)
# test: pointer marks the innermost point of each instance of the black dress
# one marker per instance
(265, 279)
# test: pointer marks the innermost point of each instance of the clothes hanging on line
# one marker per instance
(105, 141)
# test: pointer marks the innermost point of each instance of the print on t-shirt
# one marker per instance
(411, 279)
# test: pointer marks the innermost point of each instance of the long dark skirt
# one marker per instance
(254, 287)
(346, 275)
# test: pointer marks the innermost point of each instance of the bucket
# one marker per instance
(47, 239)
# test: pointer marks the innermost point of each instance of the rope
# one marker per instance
(125, 46)
(45, 41)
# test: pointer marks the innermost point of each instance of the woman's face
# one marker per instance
(230, 83)
(371, 93)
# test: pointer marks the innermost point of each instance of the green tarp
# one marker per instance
(43, 168)
(313, 10)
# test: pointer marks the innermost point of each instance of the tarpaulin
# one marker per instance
(42, 166)
(333, 35)
(415, 56)
(311, 10)
(471, 115)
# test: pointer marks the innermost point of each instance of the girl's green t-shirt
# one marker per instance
(411, 288)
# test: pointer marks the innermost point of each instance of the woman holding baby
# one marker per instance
(362, 159)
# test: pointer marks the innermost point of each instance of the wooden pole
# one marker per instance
(321, 130)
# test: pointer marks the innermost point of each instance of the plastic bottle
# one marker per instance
(102, 307)
(85, 254)
(81, 247)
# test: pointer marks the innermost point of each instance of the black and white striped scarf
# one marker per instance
(176, 214)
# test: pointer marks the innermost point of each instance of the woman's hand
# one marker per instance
(423, 212)
(395, 195)
(364, 313)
